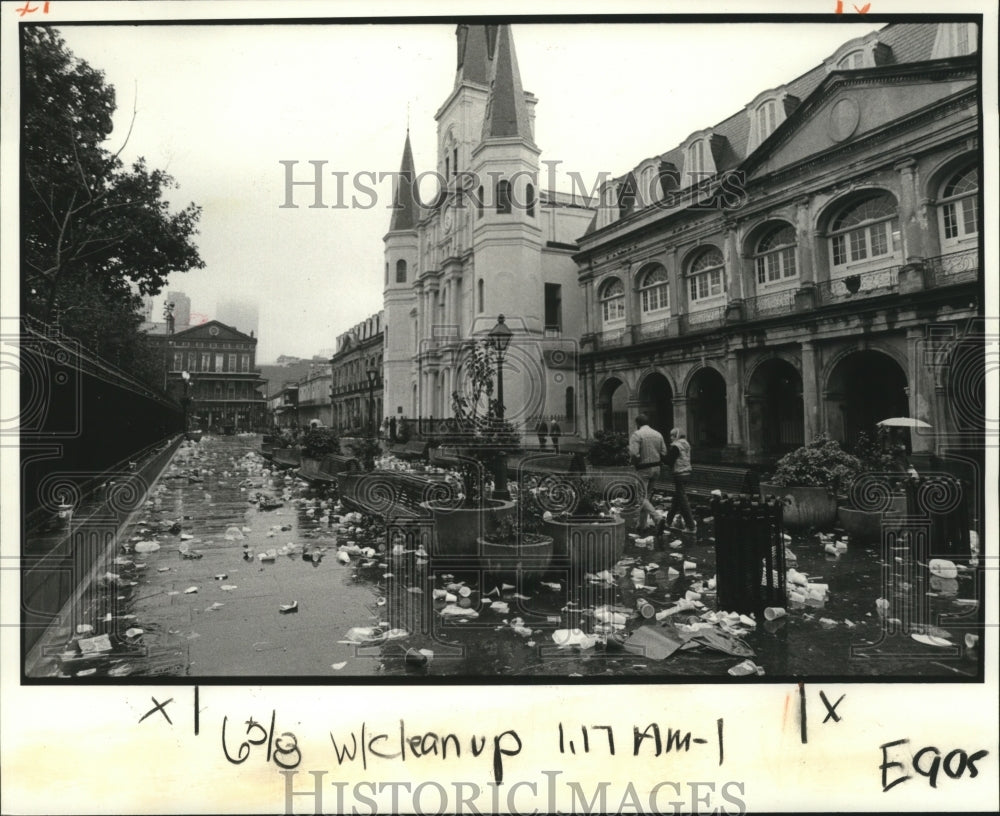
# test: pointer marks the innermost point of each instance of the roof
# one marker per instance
(506, 109)
(404, 206)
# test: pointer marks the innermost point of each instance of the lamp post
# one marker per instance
(186, 399)
(372, 373)
(500, 339)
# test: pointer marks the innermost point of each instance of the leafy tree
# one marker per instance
(96, 235)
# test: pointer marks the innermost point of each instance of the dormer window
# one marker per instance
(955, 40)
(852, 61)
(699, 163)
(696, 157)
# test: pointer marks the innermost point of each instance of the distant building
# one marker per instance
(182, 309)
(356, 402)
(223, 380)
(283, 406)
(240, 313)
(314, 396)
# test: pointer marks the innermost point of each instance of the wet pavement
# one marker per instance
(235, 568)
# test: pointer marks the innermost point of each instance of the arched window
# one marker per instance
(529, 194)
(960, 206)
(865, 230)
(612, 297)
(400, 271)
(852, 61)
(654, 290)
(480, 296)
(706, 275)
(774, 256)
(503, 197)
(479, 203)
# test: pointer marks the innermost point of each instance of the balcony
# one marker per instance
(612, 338)
(862, 285)
(652, 330)
(769, 304)
(955, 267)
(703, 320)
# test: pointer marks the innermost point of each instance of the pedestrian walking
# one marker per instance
(646, 450)
(542, 430)
(554, 432)
(392, 429)
(679, 461)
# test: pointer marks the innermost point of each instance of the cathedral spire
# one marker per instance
(506, 108)
(473, 57)
(404, 216)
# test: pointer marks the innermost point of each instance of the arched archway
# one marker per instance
(863, 388)
(706, 409)
(774, 408)
(656, 401)
(612, 406)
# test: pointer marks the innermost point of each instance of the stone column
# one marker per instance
(921, 393)
(681, 415)
(734, 403)
(810, 392)
(909, 221)
(806, 240)
(632, 314)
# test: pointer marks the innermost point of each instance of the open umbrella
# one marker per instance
(903, 422)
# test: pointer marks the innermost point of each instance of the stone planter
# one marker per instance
(867, 525)
(456, 529)
(528, 559)
(804, 506)
(588, 546)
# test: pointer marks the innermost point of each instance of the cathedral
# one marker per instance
(493, 243)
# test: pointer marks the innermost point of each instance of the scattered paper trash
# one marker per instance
(290, 607)
(500, 607)
(100, 643)
(566, 638)
(147, 546)
(746, 668)
(942, 568)
(653, 642)
(134, 632)
(774, 612)
(190, 590)
(931, 640)
(338, 666)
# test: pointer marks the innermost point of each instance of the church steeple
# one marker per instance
(506, 108)
(473, 55)
(404, 216)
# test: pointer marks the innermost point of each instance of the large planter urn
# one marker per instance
(526, 559)
(804, 506)
(867, 525)
(456, 529)
(586, 545)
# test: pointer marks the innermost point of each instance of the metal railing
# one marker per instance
(657, 328)
(862, 285)
(768, 304)
(612, 338)
(955, 267)
(703, 320)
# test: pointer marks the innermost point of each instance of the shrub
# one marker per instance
(821, 463)
(365, 450)
(318, 442)
(608, 448)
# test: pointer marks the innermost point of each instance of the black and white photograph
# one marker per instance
(469, 355)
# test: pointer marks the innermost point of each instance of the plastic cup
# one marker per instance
(774, 612)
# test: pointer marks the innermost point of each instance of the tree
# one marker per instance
(96, 235)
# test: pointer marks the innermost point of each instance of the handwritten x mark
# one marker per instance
(863, 9)
(159, 707)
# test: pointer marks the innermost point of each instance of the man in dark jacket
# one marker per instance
(679, 461)
(646, 450)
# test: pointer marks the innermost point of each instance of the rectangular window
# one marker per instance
(178, 360)
(206, 362)
(244, 362)
(858, 249)
(706, 285)
(839, 250)
(950, 223)
(232, 362)
(218, 362)
(231, 391)
(879, 243)
(789, 262)
(969, 215)
(553, 306)
(218, 390)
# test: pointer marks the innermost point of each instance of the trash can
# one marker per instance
(749, 553)
(941, 500)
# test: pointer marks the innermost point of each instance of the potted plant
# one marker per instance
(516, 547)
(477, 444)
(809, 479)
(875, 492)
(585, 533)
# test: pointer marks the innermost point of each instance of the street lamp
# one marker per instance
(372, 373)
(500, 339)
(186, 399)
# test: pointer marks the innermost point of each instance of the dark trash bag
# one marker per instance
(749, 553)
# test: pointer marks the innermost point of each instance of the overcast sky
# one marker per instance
(220, 106)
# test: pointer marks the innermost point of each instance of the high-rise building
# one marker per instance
(182, 309)
(242, 313)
